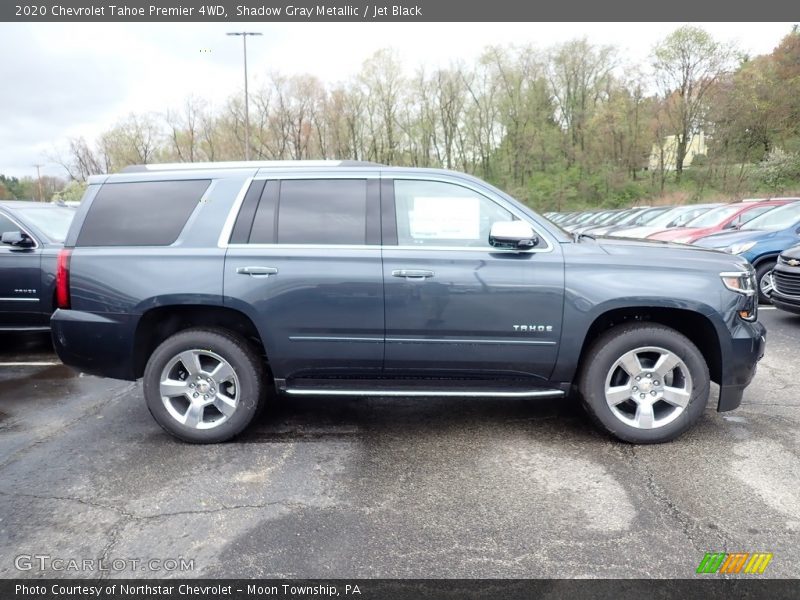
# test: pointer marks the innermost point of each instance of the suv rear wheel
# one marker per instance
(204, 385)
(644, 383)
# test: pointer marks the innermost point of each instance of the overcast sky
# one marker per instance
(64, 80)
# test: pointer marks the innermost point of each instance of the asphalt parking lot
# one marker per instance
(392, 487)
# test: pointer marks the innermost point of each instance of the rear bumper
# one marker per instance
(98, 344)
(739, 366)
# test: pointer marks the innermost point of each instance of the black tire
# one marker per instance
(761, 271)
(246, 363)
(610, 347)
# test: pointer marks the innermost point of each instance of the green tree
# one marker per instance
(687, 64)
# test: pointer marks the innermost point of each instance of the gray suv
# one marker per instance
(223, 284)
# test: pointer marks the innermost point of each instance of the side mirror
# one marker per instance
(517, 235)
(18, 239)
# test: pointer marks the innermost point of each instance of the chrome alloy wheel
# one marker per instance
(767, 284)
(648, 387)
(199, 389)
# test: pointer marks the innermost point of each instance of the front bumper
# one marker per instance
(739, 363)
(788, 303)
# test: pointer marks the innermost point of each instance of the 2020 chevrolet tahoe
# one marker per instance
(223, 284)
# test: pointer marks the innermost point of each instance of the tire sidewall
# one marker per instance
(235, 353)
(610, 347)
(761, 272)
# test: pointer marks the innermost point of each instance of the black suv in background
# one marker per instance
(31, 234)
(221, 284)
(785, 293)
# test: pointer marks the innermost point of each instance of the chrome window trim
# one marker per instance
(23, 230)
(373, 247)
(227, 228)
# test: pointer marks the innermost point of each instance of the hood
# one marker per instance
(637, 232)
(676, 232)
(793, 252)
(670, 254)
(605, 229)
(726, 238)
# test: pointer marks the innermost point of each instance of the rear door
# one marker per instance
(20, 282)
(456, 306)
(304, 261)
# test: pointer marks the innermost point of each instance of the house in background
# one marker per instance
(665, 153)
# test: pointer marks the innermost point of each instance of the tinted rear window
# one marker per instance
(150, 213)
(322, 211)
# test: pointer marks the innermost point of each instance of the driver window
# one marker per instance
(435, 213)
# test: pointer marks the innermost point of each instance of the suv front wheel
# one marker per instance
(204, 385)
(644, 383)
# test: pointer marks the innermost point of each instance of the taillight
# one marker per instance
(62, 279)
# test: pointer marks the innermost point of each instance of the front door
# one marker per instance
(456, 306)
(20, 283)
(305, 263)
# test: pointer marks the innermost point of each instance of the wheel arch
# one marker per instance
(694, 325)
(768, 257)
(157, 324)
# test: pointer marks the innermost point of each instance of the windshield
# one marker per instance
(777, 218)
(690, 214)
(53, 221)
(631, 217)
(609, 218)
(668, 217)
(648, 216)
(714, 217)
(585, 218)
(619, 217)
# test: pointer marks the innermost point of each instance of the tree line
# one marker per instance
(563, 127)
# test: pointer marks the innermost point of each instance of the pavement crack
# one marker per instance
(83, 501)
(131, 516)
(220, 509)
(688, 525)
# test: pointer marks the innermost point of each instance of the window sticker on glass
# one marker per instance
(445, 218)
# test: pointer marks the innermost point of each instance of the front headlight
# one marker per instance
(739, 248)
(743, 282)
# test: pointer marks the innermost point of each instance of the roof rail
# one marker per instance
(251, 164)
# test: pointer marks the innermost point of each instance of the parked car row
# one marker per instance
(758, 230)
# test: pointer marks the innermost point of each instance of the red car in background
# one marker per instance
(730, 216)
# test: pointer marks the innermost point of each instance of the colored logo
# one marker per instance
(751, 563)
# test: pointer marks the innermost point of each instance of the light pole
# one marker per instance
(39, 180)
(244, 35)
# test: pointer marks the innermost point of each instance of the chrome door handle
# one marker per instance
(257, 271)
(412, 273)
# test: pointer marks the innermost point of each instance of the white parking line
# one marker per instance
(29, 364)
(767, 308)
